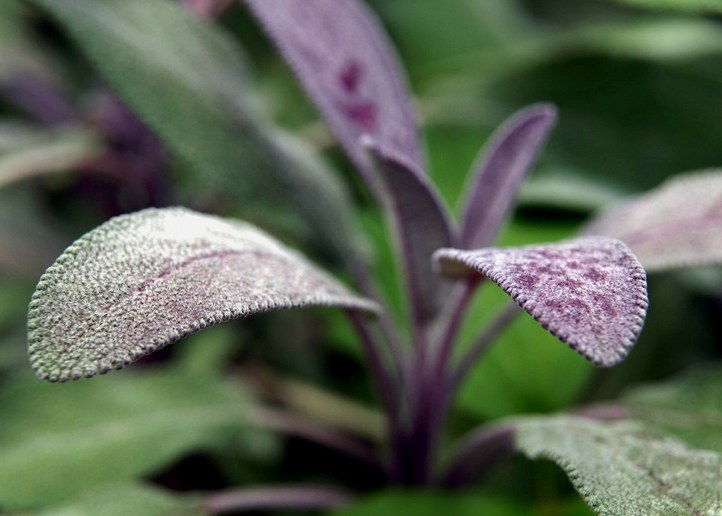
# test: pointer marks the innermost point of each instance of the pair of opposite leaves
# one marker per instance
(141, 281)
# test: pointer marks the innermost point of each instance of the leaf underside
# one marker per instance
(590, 292)
(499, 171)
(677, 224)
(347, 66)
(624, 468)
(142, 281)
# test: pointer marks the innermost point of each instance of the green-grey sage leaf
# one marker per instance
(142, 281)
(690, 406)
(625, 468)
(590, 292)
(678, 224)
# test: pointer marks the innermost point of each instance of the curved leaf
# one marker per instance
(142, 281)
(624, 468)
(421, 225)
(500, 171)
(675, 225)
(590, 293)
(186, 79)
(348, 67)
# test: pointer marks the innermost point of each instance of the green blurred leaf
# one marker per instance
(123, 498)
(625, 468)
(47, 152)
(186, 79)
(689, 406)
(423, 503)
(60, 440)
(694, 6)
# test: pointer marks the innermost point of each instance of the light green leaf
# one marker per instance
(142, 281)
(690, 407)
(625, 468)
(123, 498)
(185, 78)
(61, 440)
(44, 153)
(693, 6)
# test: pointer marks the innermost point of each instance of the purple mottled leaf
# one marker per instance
(421, 225)
(499, 171)
(677, 224)
(142, 281)
(348, 67)
(589, 292)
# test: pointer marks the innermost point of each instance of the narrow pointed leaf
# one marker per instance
(689, 407)
(678, 224)
(142, 281)
(348, 67)
(625, 468)
(421, 225)
(590, 293)
(186, 79)
(499, 172)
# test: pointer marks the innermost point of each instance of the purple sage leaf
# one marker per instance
(348, 67)
(678, 224)
(142, 281)
(421, 225)
(590, 292)
(500, 169)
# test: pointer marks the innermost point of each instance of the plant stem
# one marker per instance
(478, 453)
(277, 497)
(295, 424)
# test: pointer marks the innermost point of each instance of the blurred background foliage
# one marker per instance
(101, 117)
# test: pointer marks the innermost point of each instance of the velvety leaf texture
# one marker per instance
(499, 172)
(348, 67)
(624, 468)
(690, 407)
(142, 281)
(590, 293)
(677, 224)
(421, 223)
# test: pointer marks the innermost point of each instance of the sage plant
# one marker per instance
(142, 281)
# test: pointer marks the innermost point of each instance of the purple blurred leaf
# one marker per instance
(677, 224)
(590, 292)
(348, 67)
(142, 281)
(421, 225)
(500, 169)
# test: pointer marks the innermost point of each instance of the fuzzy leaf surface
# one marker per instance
(625, 468)
(590, 292)
(142, 281)
(690, 407)
(421, 226)
(348, 67)
(678, 224)
(186, 79)
(499, 172)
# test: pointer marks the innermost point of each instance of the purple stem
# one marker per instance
(41, 99)
(294, 424)
(277, 497)
(477, 454)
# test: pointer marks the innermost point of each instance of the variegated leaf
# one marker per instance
(349, 69)
(499, 172)
(590, 293)
(142, 281)
(677, 224)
